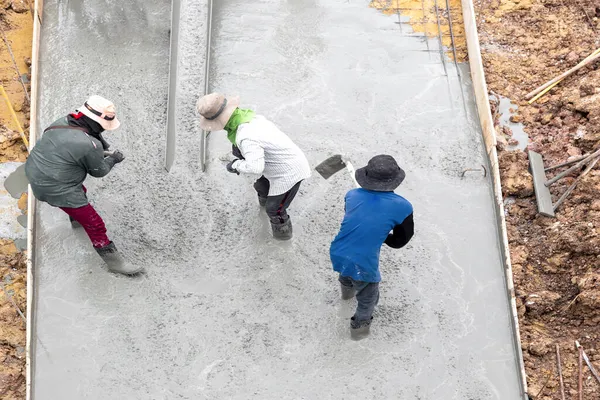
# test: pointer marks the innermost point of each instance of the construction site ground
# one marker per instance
(17, 23)
(555, 261)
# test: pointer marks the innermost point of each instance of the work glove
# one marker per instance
(236, 152)
(116, 156)
(230, 167)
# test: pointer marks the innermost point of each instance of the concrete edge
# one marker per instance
(31, 202)
(489, 137)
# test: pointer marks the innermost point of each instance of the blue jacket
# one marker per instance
(369, 219)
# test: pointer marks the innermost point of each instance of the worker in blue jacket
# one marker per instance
(374, 215)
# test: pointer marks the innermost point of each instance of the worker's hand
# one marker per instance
(230, 167)
(236, 152)
(117, 156)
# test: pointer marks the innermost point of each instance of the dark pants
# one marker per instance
(91, 222)
(276, 206)
(367, 295)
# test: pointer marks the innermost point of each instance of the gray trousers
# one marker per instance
(367, 295)
(276, 206)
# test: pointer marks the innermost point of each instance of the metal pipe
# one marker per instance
(573, 161)
(172, 91)
(205, 134)
(573, 168)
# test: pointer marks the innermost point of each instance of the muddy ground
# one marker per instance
(16, 22)
(555, 260)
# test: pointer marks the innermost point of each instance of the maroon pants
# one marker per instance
(91, 222)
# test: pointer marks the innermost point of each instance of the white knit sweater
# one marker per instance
(270, 152)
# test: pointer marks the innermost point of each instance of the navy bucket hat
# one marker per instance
(382, 174)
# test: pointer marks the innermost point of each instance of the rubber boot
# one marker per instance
(347, 292)
(262, 201)
(282, 231)
(115, 261)
(74, 224)
(360, 329)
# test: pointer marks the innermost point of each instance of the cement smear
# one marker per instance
(225, 312)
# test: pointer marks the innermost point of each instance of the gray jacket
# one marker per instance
(60, 162)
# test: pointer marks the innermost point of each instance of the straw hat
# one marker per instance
(382, 174)
(215, 109)
(102, 111)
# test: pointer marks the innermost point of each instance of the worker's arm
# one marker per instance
(254, 158)
(402, 233)
(97, 165)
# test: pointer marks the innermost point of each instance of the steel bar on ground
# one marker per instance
(566, 163)
(572, 187)
(573, 168)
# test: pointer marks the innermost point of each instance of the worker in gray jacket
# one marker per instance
(71, 148)
(261, 149)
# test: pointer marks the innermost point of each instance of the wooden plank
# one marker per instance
(478, 76)
(542, 192)
(489, 135)
(31, 202)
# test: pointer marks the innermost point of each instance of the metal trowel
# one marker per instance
(335, 164)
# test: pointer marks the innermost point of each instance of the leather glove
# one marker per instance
(236, 152)
(117, 156)
(230, 167)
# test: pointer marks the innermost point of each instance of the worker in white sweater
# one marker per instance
(261, 149)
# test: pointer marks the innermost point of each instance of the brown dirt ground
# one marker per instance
(18, 28)
(555, 260)
(12, 326)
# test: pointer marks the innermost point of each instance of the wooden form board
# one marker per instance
(31, 202)
(489, 136)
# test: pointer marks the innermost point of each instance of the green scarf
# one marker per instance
(239, 116)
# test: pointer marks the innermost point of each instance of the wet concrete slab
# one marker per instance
(226, 312)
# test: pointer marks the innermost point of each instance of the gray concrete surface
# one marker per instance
(225, 312)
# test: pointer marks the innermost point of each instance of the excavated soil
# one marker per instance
(17, 24)
(12, 325)
(18, 28)
(555, 260)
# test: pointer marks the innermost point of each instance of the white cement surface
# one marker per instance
(225, 312)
